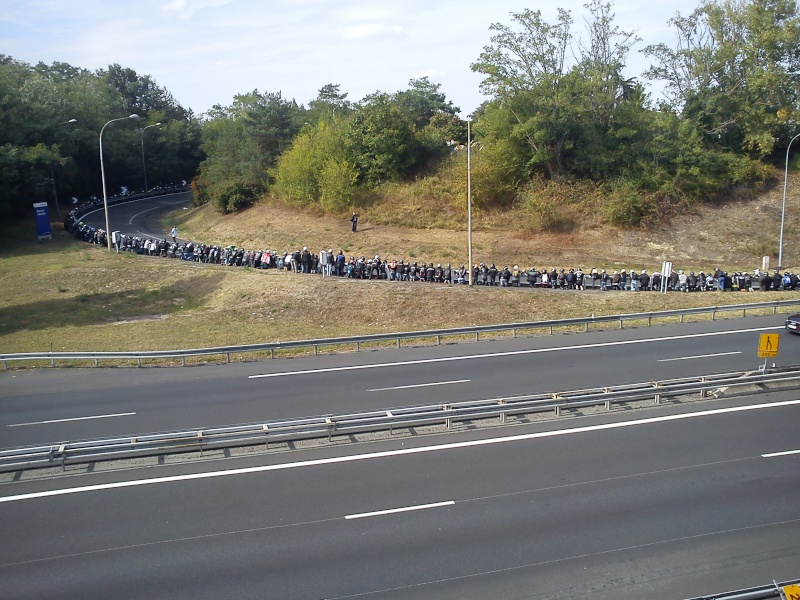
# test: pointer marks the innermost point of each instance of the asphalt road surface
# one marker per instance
(671, 502)
(49, 405)
(140, 217)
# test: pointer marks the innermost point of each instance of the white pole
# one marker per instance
(783, 207)
(103, 176)
(469, 200)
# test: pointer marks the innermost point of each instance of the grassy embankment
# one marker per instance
(70, 296)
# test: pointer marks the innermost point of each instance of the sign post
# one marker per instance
(42, 212)
(768, 347)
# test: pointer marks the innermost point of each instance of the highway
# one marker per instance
(49, 405)
(670, 502)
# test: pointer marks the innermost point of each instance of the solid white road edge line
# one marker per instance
(698, 356)
(400, 510)
(418, 385)
(128, 414)
(510, 353)
(390, 453)
(774, 454)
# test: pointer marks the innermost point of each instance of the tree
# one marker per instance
(242, 144)
(735, 71)
(564, 112)
(423, 101)
(380, 139)
(329, 103)
(525, 72)
(317, 169)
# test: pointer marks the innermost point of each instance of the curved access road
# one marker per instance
(140, 217)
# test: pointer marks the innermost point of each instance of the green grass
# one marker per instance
(70, 296)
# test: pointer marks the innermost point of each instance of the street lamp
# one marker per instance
(469, 200)
(783, 207)
(144, 167)
(103, 175)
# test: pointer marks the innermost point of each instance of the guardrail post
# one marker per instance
(713, 315)
(200, 440)
(331, 426)
(398, 343)
(358, 346)
(502, 402)
(703, 392)
(391, 416)
(608, 402)
(62, 450)
(138, 362)
(5, 366)
(438, 340)
(477, 336)
(96, 363)
(620, 323)
(448, 420)
(272, 352)
(52, 362)
(657, 384)
(228, 357)
(558, 406)
(266, 436)
(551, 330)
(315, 349)
(514, 332)
(183, 361)
(649, 320)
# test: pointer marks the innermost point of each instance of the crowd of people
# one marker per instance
(330, 264)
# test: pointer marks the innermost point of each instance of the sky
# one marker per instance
(204, 52)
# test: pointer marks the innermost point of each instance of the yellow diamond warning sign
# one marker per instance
(768, 345)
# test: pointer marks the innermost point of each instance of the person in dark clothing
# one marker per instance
(492, 275)
(354, 221)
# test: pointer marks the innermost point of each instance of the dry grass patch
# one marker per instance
(70, 296)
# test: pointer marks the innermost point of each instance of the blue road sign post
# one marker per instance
(42, 212)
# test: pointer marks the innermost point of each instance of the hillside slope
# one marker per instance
(733, 236)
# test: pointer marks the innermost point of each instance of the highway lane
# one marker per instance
(45, 405)
(612, 507)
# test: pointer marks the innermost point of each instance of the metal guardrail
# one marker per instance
(356, 341)
(773, 590)
(265, 432)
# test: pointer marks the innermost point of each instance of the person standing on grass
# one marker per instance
(174, 234)
(354, 220)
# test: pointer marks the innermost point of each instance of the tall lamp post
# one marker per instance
(144, 167)
(469, 200)
(783, 206)
(103, 176)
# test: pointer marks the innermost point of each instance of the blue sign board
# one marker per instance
(42, 212)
